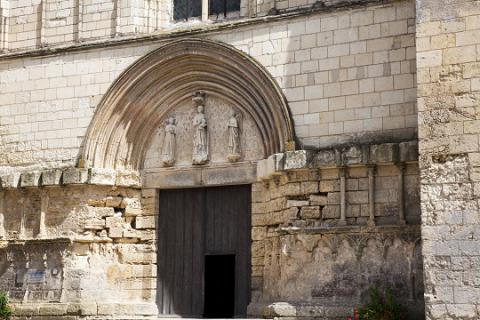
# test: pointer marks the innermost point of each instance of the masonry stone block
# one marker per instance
(327, 158)
(408, 151)
(11, 180)
(300, 159)
(145, 222)
(52, 177)
(102, 176)
(127, 179)
(30, 179)
(384, 153)
(75, 176)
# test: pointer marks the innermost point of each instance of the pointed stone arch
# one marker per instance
(135, 104)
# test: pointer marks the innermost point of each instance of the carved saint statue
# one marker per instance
(233, 138)
(200, 134)
(168, 150)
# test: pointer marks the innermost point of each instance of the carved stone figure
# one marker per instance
(200, 134)
(168, 150)
(234, 137)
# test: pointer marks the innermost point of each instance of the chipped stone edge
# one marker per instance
(345, 156)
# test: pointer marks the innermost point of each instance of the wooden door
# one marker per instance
(194, 223)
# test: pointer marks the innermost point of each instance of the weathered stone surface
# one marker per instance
(318, 200)
(327, 158)
(297, 203)
(52, 177)
(312, 212)
(384, 153)
(408, 151)
(96, 202)
(114, 202)
(132, 212)
(228, 175)
(300, 159)
(30, 179)
(145, 222)
(127, 179)
(281, 309)
(75, 176)
(10, 180)
(270, 166)
(355, 155)
(104, 177)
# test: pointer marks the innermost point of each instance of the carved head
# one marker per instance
(200, 109)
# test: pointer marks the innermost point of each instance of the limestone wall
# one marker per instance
(326, 226)
(348, 76)
(448, 92)
(79, 250)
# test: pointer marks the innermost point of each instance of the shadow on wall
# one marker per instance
(339, 269)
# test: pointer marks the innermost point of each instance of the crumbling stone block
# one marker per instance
(30, 179)
(145, 222)
(384, 153)
(52, 177)
(10, 180)
(75, 176)
(99, 176)
(311, 212)
(318, 200)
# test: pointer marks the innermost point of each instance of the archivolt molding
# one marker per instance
(133, 108)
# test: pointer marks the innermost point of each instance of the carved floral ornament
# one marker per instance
(200, 137)
(139, 101)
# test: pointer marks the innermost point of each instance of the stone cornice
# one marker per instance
(70, 176)
(318, 7)
(346, 156)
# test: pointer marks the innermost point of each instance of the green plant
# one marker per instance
(382, 307)
(5, 309)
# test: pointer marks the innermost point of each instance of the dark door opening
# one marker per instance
(219, 286)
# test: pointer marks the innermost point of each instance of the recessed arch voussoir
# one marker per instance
(143, 95)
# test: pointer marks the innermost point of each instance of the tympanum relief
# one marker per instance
(204, 129)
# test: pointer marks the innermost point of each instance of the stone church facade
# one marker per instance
(308, 150)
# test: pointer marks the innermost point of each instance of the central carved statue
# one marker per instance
(200, 135)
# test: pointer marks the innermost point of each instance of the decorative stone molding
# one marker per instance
(137, 103)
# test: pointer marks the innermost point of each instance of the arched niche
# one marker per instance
(128, 119)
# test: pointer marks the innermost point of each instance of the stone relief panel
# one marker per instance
(231, 135)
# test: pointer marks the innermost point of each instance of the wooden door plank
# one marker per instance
(198, 238)
(179, 210)
(169, 276)
(188, 252)
(162, 253)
